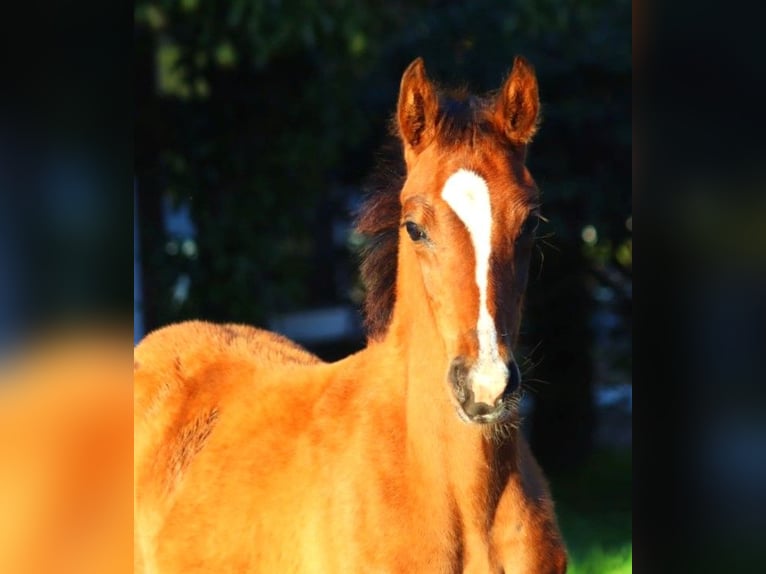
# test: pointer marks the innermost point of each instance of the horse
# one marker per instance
(253, 455)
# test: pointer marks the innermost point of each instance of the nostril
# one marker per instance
(458, 372)
(474, 409)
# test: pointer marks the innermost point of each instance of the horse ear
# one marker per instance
(417, 108)
(518, 105)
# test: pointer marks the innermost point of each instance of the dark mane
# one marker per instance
(462, 118)
(378, 222)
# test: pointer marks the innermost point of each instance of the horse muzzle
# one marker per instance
(483, 390)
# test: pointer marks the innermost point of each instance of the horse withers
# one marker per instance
(252, 455)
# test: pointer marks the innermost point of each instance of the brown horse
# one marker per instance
(252, 455)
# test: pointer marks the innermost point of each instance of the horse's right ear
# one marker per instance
(417, 108)
(517, 109)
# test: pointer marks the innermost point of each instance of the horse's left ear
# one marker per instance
(518, 106)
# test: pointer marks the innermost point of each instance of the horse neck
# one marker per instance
(452, 460)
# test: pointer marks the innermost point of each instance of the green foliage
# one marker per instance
(594, 506)
(600, 561)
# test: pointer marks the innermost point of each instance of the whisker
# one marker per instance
(531, 391)
(542, 261)
(529, 370)
(528, 363)
(532, 351)
(544, 382)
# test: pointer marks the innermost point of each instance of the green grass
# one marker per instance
(594, 507)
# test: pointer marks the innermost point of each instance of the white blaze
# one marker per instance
(468, 196)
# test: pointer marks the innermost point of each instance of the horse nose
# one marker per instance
(466, 380)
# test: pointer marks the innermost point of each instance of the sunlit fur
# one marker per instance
(251, 455)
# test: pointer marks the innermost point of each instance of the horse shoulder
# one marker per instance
(183, 374)
(191, 366)
(526, 534)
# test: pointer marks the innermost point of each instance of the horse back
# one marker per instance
(169, 362)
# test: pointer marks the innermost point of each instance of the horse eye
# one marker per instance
(415, 232)
(530, 225)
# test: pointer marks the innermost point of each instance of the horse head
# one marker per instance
(469, 211)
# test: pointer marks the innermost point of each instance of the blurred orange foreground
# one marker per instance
(66, 453)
